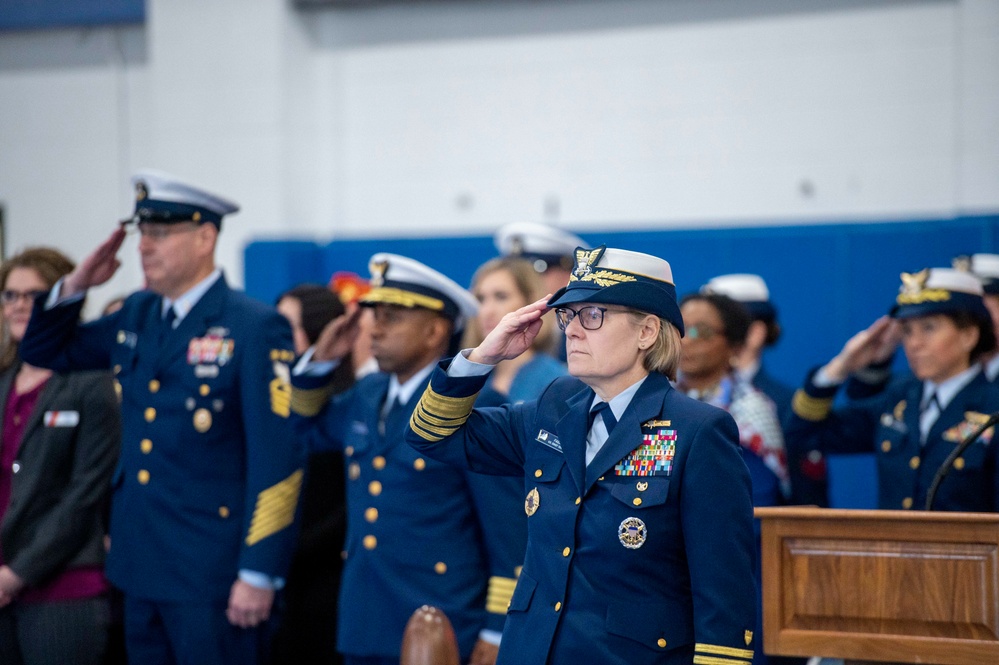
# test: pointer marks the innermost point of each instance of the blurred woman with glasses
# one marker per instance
(58, 447)
(640, 542)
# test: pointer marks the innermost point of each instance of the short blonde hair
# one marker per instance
(530, 287)
(663, 356)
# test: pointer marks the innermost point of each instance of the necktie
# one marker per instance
(389, 415)
(169, 317)
(928, 414)
(604, 410)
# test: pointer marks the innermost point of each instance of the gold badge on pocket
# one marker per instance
(532, 502)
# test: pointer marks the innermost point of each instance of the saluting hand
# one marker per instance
(248, 605)
(513, 335)
(337, 338)
(872, 345)
(97, 268)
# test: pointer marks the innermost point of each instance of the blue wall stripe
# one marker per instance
(37, 14)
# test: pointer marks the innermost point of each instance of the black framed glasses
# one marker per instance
(10, 296)
(590, 317)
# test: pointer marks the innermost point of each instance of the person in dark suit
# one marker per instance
(306, 634)
(640, 533)
(206, 491)
(416, 531)
(58, 447)
(913, 425)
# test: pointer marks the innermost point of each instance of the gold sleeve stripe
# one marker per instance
(811, 408)
(447, 407)
(275, 508)
(429, 432)
(713, 660)
(394, 296)
(437, 416)
(499, 595)
(280, 397)
(719, 650)
(308, 403)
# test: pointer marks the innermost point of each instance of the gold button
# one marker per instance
(419, 464)
(914, 462)
(371, 514)
(600, 478)
(637, 501)
(959, 463)
(204, 389)
(154, 386)
(354, 470)
(661, 643)
(348, 451)
(440, 567)
(579, 500)
(885, 446)
(378, 463)
(370, 542)
(537, 474)
(565, 552)
(907, 502)
(374, 488)
(143, 476)
(223, 512)
(146, 446)
(150, 414)
(558, 606)
(117, 368)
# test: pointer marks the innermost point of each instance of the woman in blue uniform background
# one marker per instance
(914, 425)
(640, 535)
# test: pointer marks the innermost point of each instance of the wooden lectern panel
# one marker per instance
(892, 586)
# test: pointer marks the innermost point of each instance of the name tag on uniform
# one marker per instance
(549, 440)
(61, 418)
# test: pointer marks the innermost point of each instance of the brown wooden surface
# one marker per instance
(880, 585)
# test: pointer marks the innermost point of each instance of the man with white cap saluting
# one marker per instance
(415, 528)
(207, 486)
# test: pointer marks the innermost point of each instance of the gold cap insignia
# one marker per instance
(962, 263)
(378, 270)
(532, 502)
(140, 191)
(913, 283)
(516, 246)
(585, 260)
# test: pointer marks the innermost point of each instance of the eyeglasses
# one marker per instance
(701, 331)
(9, 296)
(155, 231)
(590, 317)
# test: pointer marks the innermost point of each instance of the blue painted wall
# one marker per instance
(36, 14)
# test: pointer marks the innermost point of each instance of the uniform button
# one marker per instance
(914, 462)
(565, 552)
(419, 464)
(117, 369)
(354, 470)
(223, 512)
(637, 501)
(374, 488)
(885, 446)
(558, 606)
(907, 502)
(371, 514)
(661, 643)
(150, 414)
(146, 446)
(15, 467)
(348, 451)
(579, 500)
(154, 386)
(440, 567)
(378, 463)
(143, 476)
(203, 389)
(959, 463)
(370, 542)
(537, 473)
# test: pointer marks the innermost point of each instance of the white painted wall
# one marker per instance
(454, 117)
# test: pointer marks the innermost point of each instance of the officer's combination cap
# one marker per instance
(748, 289)
(939, 291)
(399, 280)
(607, 276)
(162, 198)
(984, 266)
(543, 245)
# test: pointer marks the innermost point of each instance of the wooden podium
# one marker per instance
(881, 585)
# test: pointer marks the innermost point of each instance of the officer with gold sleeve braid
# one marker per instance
(640, 533)
(914, 424)
(418, 531)
(206, 490)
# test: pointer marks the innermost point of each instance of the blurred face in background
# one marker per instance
(291, 309)
(705, 351)
(18, 299)
(498, 294)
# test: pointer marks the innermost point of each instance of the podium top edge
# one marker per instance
(816, 513)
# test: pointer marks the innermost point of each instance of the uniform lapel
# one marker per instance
(571, 430)
(646, 405)
(207, 310)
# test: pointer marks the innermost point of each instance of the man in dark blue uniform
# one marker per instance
(207, 486)
(416, 528)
